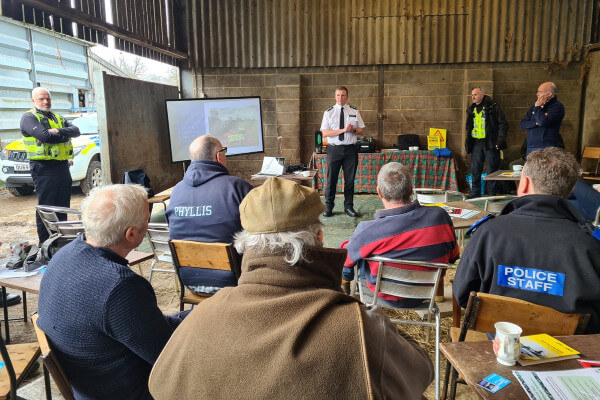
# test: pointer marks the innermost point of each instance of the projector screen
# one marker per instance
(236, 122)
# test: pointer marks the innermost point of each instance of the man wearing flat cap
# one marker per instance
(287, 330)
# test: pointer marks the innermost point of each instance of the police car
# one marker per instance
(85, 166)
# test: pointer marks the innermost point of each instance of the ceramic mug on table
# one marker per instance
(507, 344)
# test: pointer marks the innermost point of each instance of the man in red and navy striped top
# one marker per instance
(404, 230)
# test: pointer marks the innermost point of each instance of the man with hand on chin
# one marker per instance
(341, 123)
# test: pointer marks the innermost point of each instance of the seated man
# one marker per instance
(586, 199)
(539, 249)
(204, 207)
(404, 230)
(100, 317)
(287, 331)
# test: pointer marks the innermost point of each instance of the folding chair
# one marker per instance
(432, 196)
(187, 253)
(395, 280)
(19, 361)
(51, 366)
(484, 310)
(493, 204)
(50, 215)
(158, 236)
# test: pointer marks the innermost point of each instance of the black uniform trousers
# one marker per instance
(492, 159)
(346, 157)
(52, 181)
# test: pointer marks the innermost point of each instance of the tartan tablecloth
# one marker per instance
(426, 169)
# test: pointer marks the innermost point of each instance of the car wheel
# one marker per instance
(93, 178)
(24, 190)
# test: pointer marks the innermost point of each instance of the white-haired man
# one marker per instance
(100, 317)
(540, 249)
(47, 137)
(204, 207)
(287, 331)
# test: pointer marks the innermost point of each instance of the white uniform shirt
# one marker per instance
(331, 120)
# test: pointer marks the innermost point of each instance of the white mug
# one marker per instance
(517, 167)
(507, 344)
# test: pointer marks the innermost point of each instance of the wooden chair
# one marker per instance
(432, 196)
(51, 366)
(19, 361)
(192, 254)
(394, 280)
(484, 310)
(158, 236)
(594, 154)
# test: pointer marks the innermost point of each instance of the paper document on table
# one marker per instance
(19, 273)
(454, 211)
(573, 384)
(272, 166)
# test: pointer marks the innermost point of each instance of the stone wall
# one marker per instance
(591, 120)
(413, 99)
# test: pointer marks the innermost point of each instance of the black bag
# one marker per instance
(365, 145)
(406, 141)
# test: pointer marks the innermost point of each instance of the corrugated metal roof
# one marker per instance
(298, 33)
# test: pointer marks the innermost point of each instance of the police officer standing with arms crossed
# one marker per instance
(47, 137)
(341, 123)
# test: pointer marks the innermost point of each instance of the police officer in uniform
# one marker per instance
(47, 137)
(341, 123)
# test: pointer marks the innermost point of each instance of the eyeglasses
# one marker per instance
(223, 150)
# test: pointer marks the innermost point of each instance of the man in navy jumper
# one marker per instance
(543, 119)
(100, 317)
(204, 207)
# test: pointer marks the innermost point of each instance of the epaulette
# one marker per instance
(590, 228)
(352, 107)
(329, 109)
(477, 224)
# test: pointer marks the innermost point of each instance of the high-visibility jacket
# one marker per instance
(36, 150)
(478, 131)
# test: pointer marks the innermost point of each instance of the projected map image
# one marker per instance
(236, 122)
(234, 126)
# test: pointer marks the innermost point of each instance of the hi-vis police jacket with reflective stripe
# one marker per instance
(37, 150)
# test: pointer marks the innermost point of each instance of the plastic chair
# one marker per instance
(158, 236)
(192, 254)
(395, 280)
(432, 196)
(484, 310)
(51, 366)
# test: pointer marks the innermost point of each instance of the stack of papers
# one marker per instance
(578, 384)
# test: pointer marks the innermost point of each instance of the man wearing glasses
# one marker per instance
(204, 207)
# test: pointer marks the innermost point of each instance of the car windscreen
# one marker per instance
(86, 125)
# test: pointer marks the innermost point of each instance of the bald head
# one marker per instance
(40, 97)
(547, 87)
(205, 148)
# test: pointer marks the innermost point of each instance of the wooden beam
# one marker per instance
(63, 10)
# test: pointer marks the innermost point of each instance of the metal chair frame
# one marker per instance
(416, 284)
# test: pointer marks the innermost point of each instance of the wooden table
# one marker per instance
(476, 360)
(29, 284)
(503, 175)
(303, 180)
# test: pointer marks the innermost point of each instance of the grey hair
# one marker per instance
(552, 171)
(39, 89)
(552, 88)
(106, 225)
(480, 89)
(292, 242)
(395, 183)
(204, 148)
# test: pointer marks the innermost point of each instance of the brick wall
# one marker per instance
(591, 120)
(415, 98)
